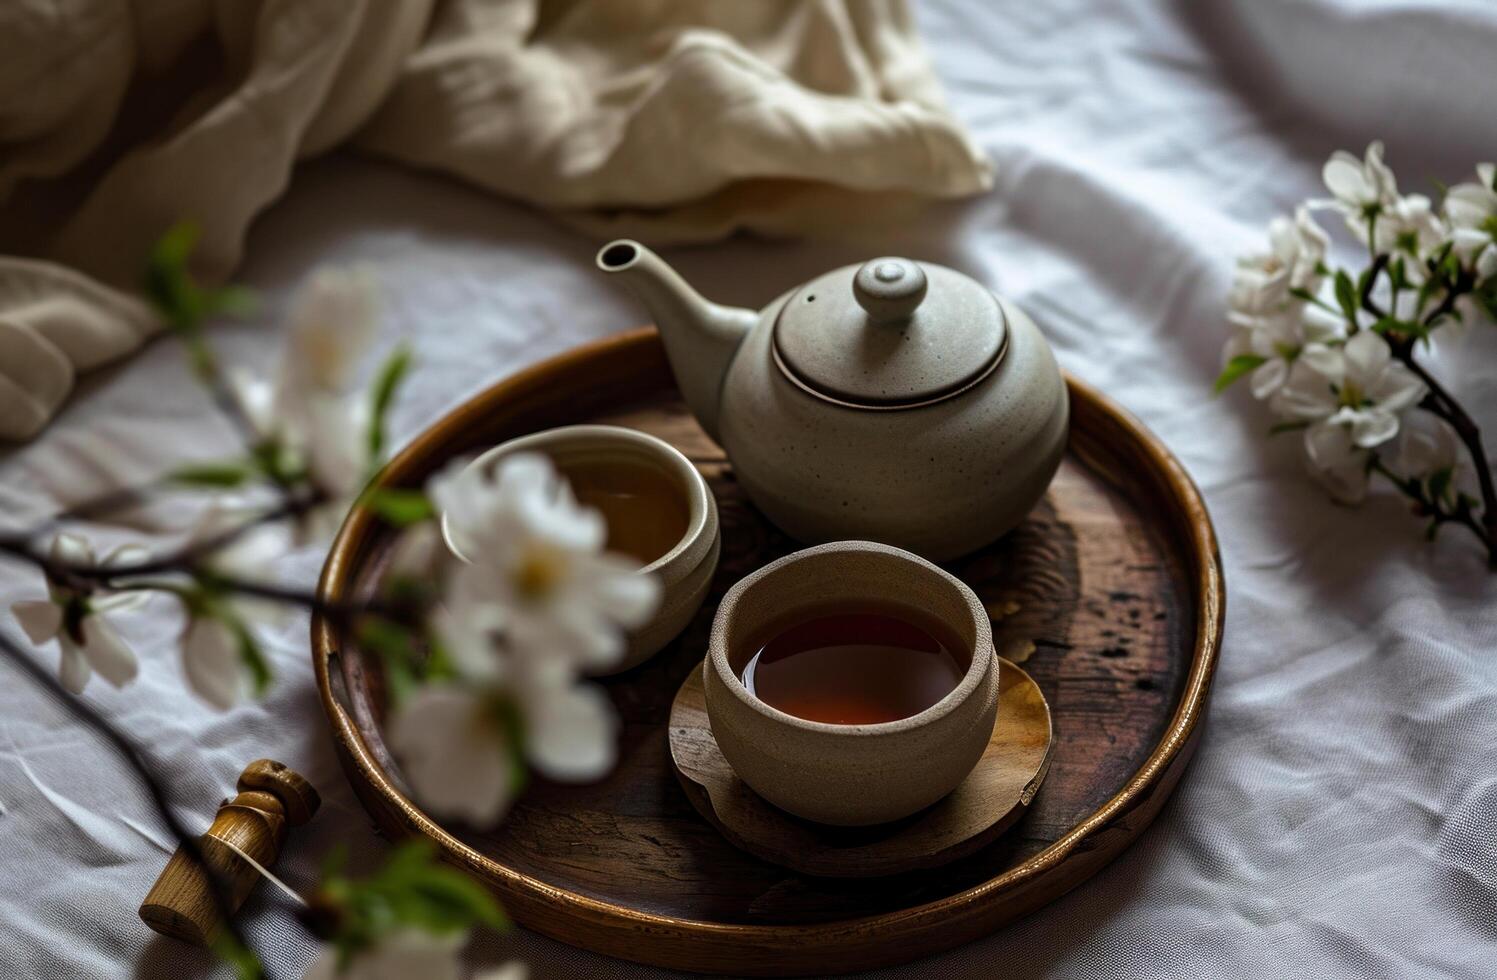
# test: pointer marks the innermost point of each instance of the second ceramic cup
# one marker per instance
(659, 510)
(839, 774)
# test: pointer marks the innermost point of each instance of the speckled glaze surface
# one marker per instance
(941, 480)
(917, 410)
(849, 775)
(685, 571)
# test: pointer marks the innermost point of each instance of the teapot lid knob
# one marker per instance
(889, 288)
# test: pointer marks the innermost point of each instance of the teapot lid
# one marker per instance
(891, 333)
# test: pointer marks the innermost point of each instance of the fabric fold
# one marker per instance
(679, 122)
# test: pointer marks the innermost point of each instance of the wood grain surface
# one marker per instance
(1110, 595)
(993, 796)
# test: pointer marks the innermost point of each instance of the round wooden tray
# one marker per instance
(1110, 595)
(994, 794)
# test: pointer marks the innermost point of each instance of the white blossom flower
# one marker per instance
(406, 954)
(460, 740)
(1409, 227)
(214, 638)
(1262, 283)
(456, 751)
(1337, 462)
(536, 554)
(86, 640)
(1360, 186)
(1353, 402)
(1471, 209)
(1426, 445)
(333, 322)
(1302, 330)
(310, 410)
(213, 662)
(1366, 193)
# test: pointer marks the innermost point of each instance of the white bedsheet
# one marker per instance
(1340, 818)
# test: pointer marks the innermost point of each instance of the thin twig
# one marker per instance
(1442, 404)
(136, 758)
(20, 545)
(1431, 508)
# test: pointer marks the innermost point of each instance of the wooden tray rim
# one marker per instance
(1203, 565)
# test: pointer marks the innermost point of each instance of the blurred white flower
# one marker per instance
(1336, 462)
(310, 410)
(571, 730)
(333, 323)
(404, 955)
(247, 556)
(1359, 186)
(1426, 445)
(536, 554)
(456, 750)
(215, 636)
(1409, 227)
(1261, 283)
(1471, 209)
(459, 740)
(76, 621)
(213, 662)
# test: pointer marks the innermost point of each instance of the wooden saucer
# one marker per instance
(987, 802)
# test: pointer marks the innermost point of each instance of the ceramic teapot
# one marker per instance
(896, 401)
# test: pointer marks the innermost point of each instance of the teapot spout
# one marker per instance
(700, 336)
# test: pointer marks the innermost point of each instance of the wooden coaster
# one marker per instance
(986, 803)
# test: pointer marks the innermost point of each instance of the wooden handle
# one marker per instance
(180, 904)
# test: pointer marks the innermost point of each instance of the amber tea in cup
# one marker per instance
(857, 665)
(645, 510)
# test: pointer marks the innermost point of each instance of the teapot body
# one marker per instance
(940, 479)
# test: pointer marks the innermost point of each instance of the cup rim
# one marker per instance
(692, 484)
(981, 659)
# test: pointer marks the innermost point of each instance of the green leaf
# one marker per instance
(397, 651)
(232, 300)
(1279, 428)
(1236, 368)
(1439, 485)
(1300, 292)
(243, 960)
(399, 507)
(168, 284)
(382, 394)
(1398, 274)
(412, 891)
(1346, 296)
(218, 475)
(254, 659)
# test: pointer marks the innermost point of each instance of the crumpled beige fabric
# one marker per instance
(669, 120)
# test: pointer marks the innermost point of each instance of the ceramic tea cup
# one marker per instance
(658, 508)
(849, 775)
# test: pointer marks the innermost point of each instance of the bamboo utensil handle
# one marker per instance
(180, 904)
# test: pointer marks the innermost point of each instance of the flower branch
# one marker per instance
(484, 656)
(1355, 390)
(234, 947)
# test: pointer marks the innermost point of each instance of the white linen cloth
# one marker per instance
(1340, 817)
(685, 120)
